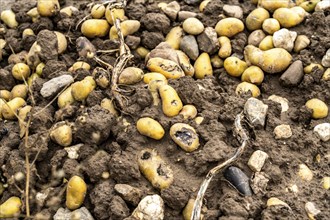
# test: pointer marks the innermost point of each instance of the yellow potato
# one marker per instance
(234, 66)
(150, 128)
(11, 208)
(199, 120)
(255, 19)
(225, 47)
(309, 6)
(185, 64)
(27, 32)
(33, 56)
(229, 27)
(62, 43)
(130, 75)
(148, 77)
(95, 28)
(301, 43)
(271, 25)
(142, 51)
(216, 61)
(48, 8)
(65, 98)
(22, 122)
(271, 61)
(203, 66)
(155, 169)
(308, 69)
(305, 173)
(39, 68)
(98, 11)
(20, 90)
(173, 38)
(6, 95)
(187, 211)
(266, 43)
(8, 17)
(21, 71)
(185, 136)
(75, 192)
(326, 75)
(34, 14)
(188, 112)
(102, 77)
(253, 74)
(245, 87)
(289, 17)
(171, 102)
(319, 108)
(108, 105)
(272, 5)
(193, 26)
(79, 65)
(80, 90)
(127, 27)
(326, 182)
(11, 108)
(113, 14)
(69, 10)
(32, 78)
(2, 103)
(169, 68)
(61, 133)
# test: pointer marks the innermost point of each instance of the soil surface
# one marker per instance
(118, 144)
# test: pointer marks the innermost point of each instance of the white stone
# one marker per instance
(257, 160)
(66, 214)
(322, 131)
(73, 151)
(283, 101)
(54, 85)
(256, 111)
(284, 38)
(322, 5)
(326, 59)
(233, 11)
(311, 210)
(282, 132)
(150, 208)
(171, 10)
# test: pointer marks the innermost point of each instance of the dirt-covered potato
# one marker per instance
(109, 105)
(319, 108)
(171, 102)
(203, 4)
(150, 128)
(102, 77)
(98, 11)
(271, 25)
(11, 208)
(185, 136)
(79, 65)
(92, 28)
(255, 19)
(27, 32)
(153, 87)
(8, 17)
(253, 74)
(21, 71)
(80, 90)
(245, 87)
(75, 192)
(154, 168)
(185, 64)
(173, 38)
(266, 43)
(39, 68)
(11, 108)
(127, 27)
(115, 13)
(203, 66)
(188, 210)
(234, 66)
(289, 17)
(188, 112)
(148, 77)
(229, 27)
(48, 8)
(326, 75)
(301, 42)
(216, 61)
(130, 76)
(69, 10)
(34, 14)
(61, 133)
(20, 90)
(225, 47)
(169, 68)
(65, 98)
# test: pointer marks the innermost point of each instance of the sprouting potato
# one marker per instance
(21, 71)
(319, 108)
(148, 77)
(185, 136)
(153, 87)
(11, 108)
(95, 28)
(61, 42)
(289, 17)
(79, 65)
(326, 75)
(234, 66)
(155, 169)
(39, 68)
(253, 74)
(309, 6)
(19, 90)
(61, 133)
(255, 19)
(174, 37)
(245, 87)
(48, 8)
(69, 10)
(80, 90)
(308, 69)
(150, 128)
(6, 95)
(27, 32)
(229, 27)
(203, 5)
(65, 98)
(301, 43)
(271, 61)
(34, 14)
(98, 11)
(23, 114)
(188, 112)
(171, 102)
(273, 5)
(225, 47)
(9, 18)
(185, 64)
(216, 61)
(75, 192)
(108, 105)
(130, 75)
(271, 25)
(101, 77)
(142, 51)
(114, 13)
(266, 43)
(169, 68)
(11, 207)
(203, 66)
(127, 27)
(256, 37)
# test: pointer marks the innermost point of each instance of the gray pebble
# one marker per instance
(189, 45)
(208, 41)
(256, 112)
(172, 9)
(293, 75)
(129, 193)
(183, 15)
(66, 214)
(233, 11)
(54, 85)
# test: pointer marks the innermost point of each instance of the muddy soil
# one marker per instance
(119, 144)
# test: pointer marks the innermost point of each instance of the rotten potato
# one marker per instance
(246, 87)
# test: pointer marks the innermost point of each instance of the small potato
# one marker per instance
(267, 43)
(216, 61)
(253, 74)
(27, 32)
(162, 5)
(98, 11)
(234, 66)
(225, 47)
(203, 4)
(108, 105)
(229, 27)
(309, 6)
(305, 173)
(23, 114)
(20, 90)
(127, 27)
(75, 192)
(34, 14)
(8, 17)
(65, 98)
(173, 38)
(246, 87)
(308, 69)
(69, 10)
(185, 64)
(142, 52)
(271, 25)
(21, 71)
(289, 17)
(171, 102)
(154, 168)
(11, 208)
(326, 182)
(6, 95)
(193, 26)
(326, 75)
(62, 43)
(255, 19)
(11, 108)
(102, 77)
(148, 77)
(188, 210)
(48, 8)
(92, 28)
(130, 76)
(33, 58)
(80, 90)
(169, 68)
(61, 133)
(115, 13)
(301, 43)
(273, 5)
(199, 120)
(188, 112)
(79, 65)
(185, 136)
(203, 66)
(2, 103)
(150, 128)
(319, 108)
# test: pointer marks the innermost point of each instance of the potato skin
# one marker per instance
(11, 207)
(203, 66)
(11, 107)
(75, 192)
(92, 28)
(150, 128)
(171, 102)
(234, 66)
(21, 71)
(229, 27)
(244, 87)
(320, 109)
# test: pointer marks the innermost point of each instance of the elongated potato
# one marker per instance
(225, 47)
(11, 207)
(319, 108)
(8, 110)
(9, 18)
(153, 87)
(173, 38)
(80, 90)
(48, 8)
(33, 58)
(203, 66)
(75, 192)
(148, 77)
(2, 103)
(61, 133)
(92, 28)
(289, 17)
(185, 64)
(171, 102)
(65, 98)
(229, 27)
(185, 136)
(169, 68)
(113, 14)
(234, 66)
(255, 19)
(130, 76)
(127, 27)
(253, 74)
(246, 87)
(150, 128)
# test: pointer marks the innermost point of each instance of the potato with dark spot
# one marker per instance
(171, 102)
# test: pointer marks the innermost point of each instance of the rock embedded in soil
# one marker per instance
(257, 160)
(283, 101)
(129, 193)
(189, 46)
(282, 131)
(293, 75)
(322, 131)
(233, 11)
(305, 173)
(150, 208)
(256, 112)
(284, 38)
(96, 165)
(151, 39)
(73, 151)
(183, 15)
(156, 22)
(47, 40)
(7, 81)
(65, 214)
(208, 41)
(259, 183)
(53, 86)
(118, 208)
(172, 9)
(311, 210)
(132, 41)
(239, 180)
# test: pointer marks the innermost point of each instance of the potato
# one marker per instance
(153, 88)
(169, 68)
(202, 6)
(246, 87)
(273, 5)
(225, 47)
(271, 25)
(326, 75)
(319, 108)
(216, 61)
(27, 32)
(9, 18)
(148, 77)
(185, 136)
(305, 173)
(142, 52)
(39, 68)
(326, 182)
(162, 5)
(102, 77)
(127, 27)
(188, 210)
(92, 28)
(234, 66)
(61, 133)
(3, 43)
(255, 19)
(11, 108)
(130, 76)
(266, 43)
(69, 10)
(301, 43)
(108, 105)
(185, 64)
(32, 78)
(98, 11)
(75, 192)
(6, 95)
(188, 112)
(21, 71)
(203, 66)
(113, 14)
(171, 102)
(20, 90)
(65, 98)
(62, 43)
(79, 65)
(308, 69)
(271, 61)
(309, 6)
(34, 14)
(253, 74)
(48, 8)
(11, 208)
(193, 26)
(150, 128)
(80, 90)
(154, 168)
(199, 120)
(23, 114)
(229, 27)
(173, 38)
(33, 58)
(289, 17)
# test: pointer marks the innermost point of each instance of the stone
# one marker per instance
(7, 81)
(118, 208)
(66, 214)
(259, 183)
(282, 132)
(283, 101)
(326, 59)
(256, 111)
(189, 46)
(284, 38)
(129, 193)
(311, 210)
(192, 2)
(53, 86)
(73, 151)
(156, 22)
(208, 41)
(172, 9)
(305, 173)
(132, 41)
(150, 208)
(233, 11)
(238, 179)
(183, 15)
(293, 75)
(322, 5)
(257, 160)
(322, 131)
(165, 51)
(193, 26)
(151, 39)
